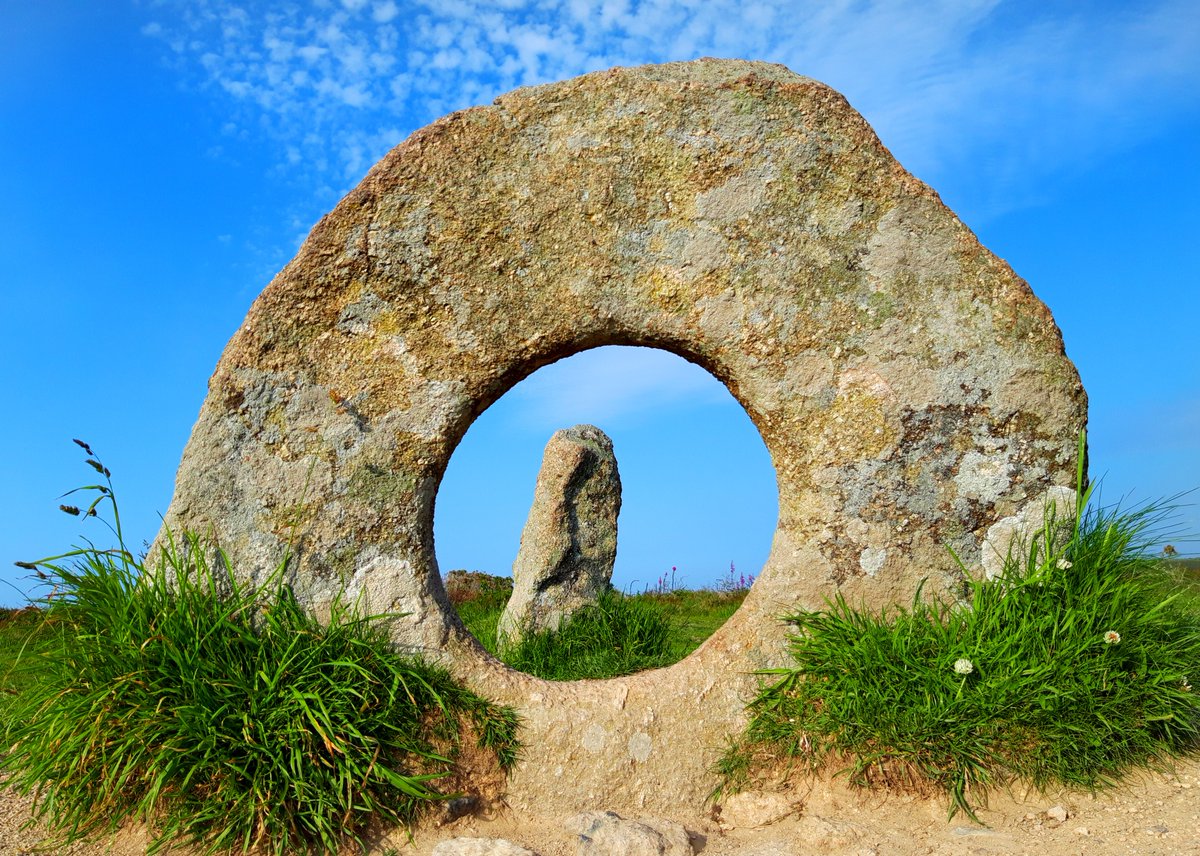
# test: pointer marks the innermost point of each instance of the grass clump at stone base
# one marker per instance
(1073, 668)
(225, 716)
(619, 635)
(480, 606)
(616, 635)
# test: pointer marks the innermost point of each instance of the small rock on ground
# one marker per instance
(1057, 814)
(606, 833)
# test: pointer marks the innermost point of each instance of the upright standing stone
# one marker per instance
(570, 539)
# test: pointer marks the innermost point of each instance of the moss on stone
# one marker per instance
(381, 486)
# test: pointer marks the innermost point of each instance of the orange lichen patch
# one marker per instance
(369, 375)
(854, 427)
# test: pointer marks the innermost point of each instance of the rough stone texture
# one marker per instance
(825, 834)
(1016, 533)
(569, 542)
(480, 847)
(603, 833)
(1057, 814)
(910, 388)
(754, 809)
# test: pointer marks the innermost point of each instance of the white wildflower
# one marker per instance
(964, 666)
(1111, 637)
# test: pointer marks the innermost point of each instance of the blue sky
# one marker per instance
(162, 160)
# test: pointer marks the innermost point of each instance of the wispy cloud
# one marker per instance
(989, 101)
(1023, 94)
(1017, 89)
(612, 386)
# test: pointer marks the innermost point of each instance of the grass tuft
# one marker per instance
(622, 634)
(481, 606)
(1074, 667)
(226, 716)
(616, 635)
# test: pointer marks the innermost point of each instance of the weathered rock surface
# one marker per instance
(826, 834)
(480, 847)
(909, 386)
(604, 833)
(1016, 534)
(569, 542)
(1057, 815)
(754, 809)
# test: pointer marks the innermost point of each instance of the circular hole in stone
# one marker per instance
(699, 505)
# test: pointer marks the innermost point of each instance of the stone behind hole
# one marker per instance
(569, 542)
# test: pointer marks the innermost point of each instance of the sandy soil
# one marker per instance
(1153, 815)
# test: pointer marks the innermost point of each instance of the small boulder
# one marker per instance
(604, 833)
(453, 809)
(1057, 815)
(570, 539)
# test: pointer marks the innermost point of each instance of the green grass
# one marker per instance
(619, 635)
(695, 614)
(1185, 576)
(20, 642)
(616, 635)
(1073, 668)
(481, 610)
(165, 693)
(224, 716)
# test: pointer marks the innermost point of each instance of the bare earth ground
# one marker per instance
(1151, 815)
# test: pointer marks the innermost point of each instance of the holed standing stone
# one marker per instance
(910, 387)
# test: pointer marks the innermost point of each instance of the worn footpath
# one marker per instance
(1153, 814)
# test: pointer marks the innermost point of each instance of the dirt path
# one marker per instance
(1154, 815)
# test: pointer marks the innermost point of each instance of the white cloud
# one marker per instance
(613, 385)
(384, 12)
(1039, 89)
(1035, 91)
(310, 54)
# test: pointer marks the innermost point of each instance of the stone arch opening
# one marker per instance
(910, 388)
(698, 494)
